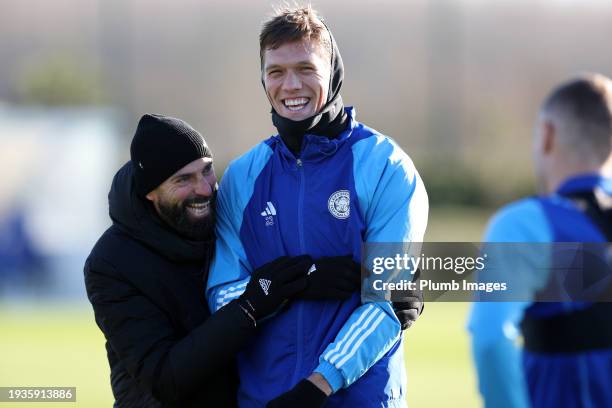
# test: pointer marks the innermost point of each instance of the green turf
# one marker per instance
(54, 346)
(440, 372)
(438, 361)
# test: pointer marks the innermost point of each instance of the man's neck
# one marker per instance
(559, 176)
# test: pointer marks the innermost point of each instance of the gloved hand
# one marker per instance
(274, 283)
(304, 395)
(332, 278)
(408, 304)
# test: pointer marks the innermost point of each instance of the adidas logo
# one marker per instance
(312, 269)
(269, 214)
(270, 210)
(265, 285)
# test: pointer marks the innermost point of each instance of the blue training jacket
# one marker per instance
(359, 187)
(570, 380)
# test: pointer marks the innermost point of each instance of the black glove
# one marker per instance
(332, 278)
(274, 283)
(408, 304)
(304, 395)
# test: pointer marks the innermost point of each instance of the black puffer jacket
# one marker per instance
(146, 285)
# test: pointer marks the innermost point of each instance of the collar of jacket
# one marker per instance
(585, 182)
(315, 147)
(139, 219)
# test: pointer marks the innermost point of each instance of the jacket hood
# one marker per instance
(137, 217)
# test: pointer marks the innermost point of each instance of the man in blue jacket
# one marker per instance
(567, 353)
(323, 186)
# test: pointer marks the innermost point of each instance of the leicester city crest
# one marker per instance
(339, 204)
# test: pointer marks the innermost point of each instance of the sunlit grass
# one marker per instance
(55, 346)
(438, 359)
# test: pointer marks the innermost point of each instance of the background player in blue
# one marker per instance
(567, 356)
(322, 187)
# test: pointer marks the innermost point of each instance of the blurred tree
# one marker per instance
(453, 182)
(59, 80)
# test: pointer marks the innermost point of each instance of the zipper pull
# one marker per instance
(299, 162)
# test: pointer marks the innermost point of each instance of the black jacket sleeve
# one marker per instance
(142, 336)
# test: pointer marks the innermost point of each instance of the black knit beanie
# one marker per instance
(161, 146)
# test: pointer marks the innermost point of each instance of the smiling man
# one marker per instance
(188, 209)
(324, 185)
(296, 77)
(145, 277)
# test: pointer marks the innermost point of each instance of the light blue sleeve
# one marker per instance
(494, 325)
(394, 204)
(230, 270)
(496, 356)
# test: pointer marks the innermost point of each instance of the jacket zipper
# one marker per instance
(301, 207)
(300, 323)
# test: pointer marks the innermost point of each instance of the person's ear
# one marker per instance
(152, 196)
(549, 135)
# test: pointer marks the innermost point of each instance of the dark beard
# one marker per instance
(178, 218)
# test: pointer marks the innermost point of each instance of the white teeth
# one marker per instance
(296, 102)
(198, 212)
(198, 209)
(198, 205)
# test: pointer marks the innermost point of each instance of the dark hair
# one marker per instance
(291, 24)
(586, 104)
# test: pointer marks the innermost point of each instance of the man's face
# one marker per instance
(186, 199)
(296, 78)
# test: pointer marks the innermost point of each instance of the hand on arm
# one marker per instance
(273, 284)
(408, 304)
(338, 277)
(332, 278)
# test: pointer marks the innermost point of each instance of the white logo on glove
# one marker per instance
(265, 285)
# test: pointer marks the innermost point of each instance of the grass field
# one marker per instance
(438, 361)
(60, 345)
(54, 345)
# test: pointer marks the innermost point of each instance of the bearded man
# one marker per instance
(146, 275)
